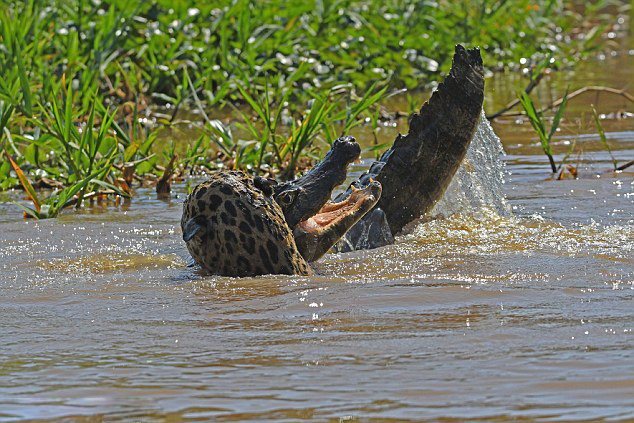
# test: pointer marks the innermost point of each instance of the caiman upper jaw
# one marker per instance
(346, 148)
(313, 190)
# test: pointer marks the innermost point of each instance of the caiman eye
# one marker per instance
(286, 198)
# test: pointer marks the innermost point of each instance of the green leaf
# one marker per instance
(68, 113)
(535, 119)
(254, 104)
(30, 153)
(558, 115)
(67, 194)
(28, 210)
(112, 187)
(5, 115)
(602, 136)
(147, 166)
(24, 82)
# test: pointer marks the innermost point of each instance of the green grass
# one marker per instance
(538, 123)
(87, 88)
(602, 137)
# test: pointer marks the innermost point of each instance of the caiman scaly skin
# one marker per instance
(417, 169)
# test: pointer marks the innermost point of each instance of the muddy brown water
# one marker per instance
(515, 303)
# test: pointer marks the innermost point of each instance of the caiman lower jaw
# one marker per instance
(317, 234)
(332, 213)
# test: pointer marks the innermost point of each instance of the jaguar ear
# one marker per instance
(193, 226)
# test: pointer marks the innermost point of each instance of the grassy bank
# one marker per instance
(85, 87)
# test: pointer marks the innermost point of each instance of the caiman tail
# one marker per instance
(417, 169)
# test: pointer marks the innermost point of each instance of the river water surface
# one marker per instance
(515, 302)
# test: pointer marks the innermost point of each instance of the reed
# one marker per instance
(602, 137)
(84, 85)
(538, 123)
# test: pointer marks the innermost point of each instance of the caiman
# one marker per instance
(415, 172)
(236, 225)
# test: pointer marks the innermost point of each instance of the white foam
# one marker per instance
(478, 184)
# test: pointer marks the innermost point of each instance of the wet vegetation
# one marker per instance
(539, 124)
(96, 96)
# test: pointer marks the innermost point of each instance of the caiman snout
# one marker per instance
(345, 149)
(302, 198)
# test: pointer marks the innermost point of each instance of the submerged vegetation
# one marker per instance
(91, 92)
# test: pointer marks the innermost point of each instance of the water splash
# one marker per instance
(478, 184)
(476, 189)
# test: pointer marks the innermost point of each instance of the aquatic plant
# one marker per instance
(538, 123)
(52, 205)
(144, 48)
(602, 136)
(97, 85)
